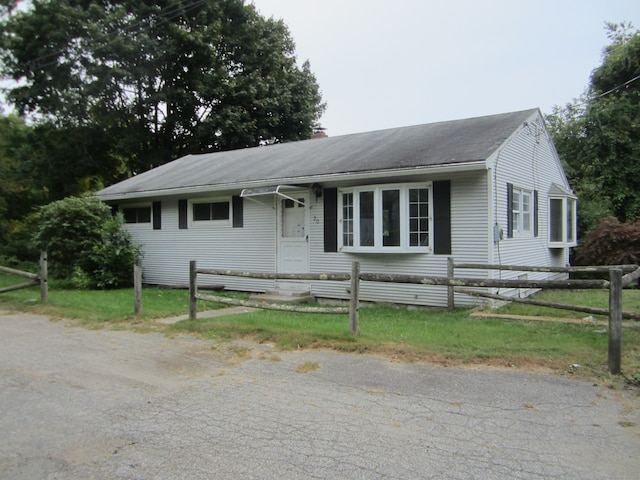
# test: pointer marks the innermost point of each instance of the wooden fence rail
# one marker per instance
(633, 274)
(615, 283)
(528, 268)
(36, 279)
(194, 295)
(19, 273)
(490, 282)
(276, 276)
(540, 303)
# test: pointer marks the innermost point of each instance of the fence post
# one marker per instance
(193, 290)
(615, 321)
(137, 286)
(354, 307)
(450, 291)
(44, 279)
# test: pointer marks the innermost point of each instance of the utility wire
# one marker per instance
(584, 102)
(628, 82)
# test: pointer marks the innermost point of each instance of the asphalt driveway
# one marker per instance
(83, 404)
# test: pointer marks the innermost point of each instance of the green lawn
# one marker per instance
(414, 334)
(407, 334)
(587, 298)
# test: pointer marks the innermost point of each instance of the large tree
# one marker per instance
(135, 83)
(598, 136)
(19, 194)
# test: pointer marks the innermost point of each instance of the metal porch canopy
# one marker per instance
(271, 190)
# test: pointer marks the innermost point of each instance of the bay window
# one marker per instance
(562, 222)
(419, 217)
(386, 218)
(347, 219)
(366, 219)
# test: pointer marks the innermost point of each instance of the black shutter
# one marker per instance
(509, 214)
(442, 217)
(330, 197)
(114, 209)
(157, 215)
(182, 214)
(237, 204)
(535, 213)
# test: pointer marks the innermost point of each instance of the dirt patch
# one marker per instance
(539, 318)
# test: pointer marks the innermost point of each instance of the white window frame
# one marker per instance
(379, 235)
(521, 218)
(208, 223)
(569, 222)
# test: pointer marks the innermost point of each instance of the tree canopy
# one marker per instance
(133, 84)
(105, 89)
(18, 192)
(598, 135)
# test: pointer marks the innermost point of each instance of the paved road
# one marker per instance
(81, 404)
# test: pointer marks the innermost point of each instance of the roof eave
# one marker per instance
(355, 176)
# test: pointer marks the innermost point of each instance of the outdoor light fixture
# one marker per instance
(316, 188)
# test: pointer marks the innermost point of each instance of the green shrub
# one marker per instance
(86, 243)
(110, 263)
(81, 279)
(612, 243)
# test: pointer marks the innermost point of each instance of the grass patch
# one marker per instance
(97, 307)
(437, 336)
(448, 338)
(287, 330)
(307, 367)
(587, 298)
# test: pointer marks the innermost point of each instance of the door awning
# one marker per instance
(271, 190)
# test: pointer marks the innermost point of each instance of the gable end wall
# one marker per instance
(527, 161)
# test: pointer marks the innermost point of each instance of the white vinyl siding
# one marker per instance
(469, 211)
(528, 161)
(167, 252)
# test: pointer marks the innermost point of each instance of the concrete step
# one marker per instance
(286, 292)
(284, 297)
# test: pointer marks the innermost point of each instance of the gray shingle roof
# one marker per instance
(433, 144)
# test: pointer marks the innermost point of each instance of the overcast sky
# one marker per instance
(390, 63)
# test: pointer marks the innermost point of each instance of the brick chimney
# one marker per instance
(318, 132)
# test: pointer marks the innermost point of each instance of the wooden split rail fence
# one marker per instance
(619, 277)
(352, 310)
(36, 280)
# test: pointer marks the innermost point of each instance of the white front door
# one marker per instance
(293, 233)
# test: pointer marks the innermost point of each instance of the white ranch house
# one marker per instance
(487, 190)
